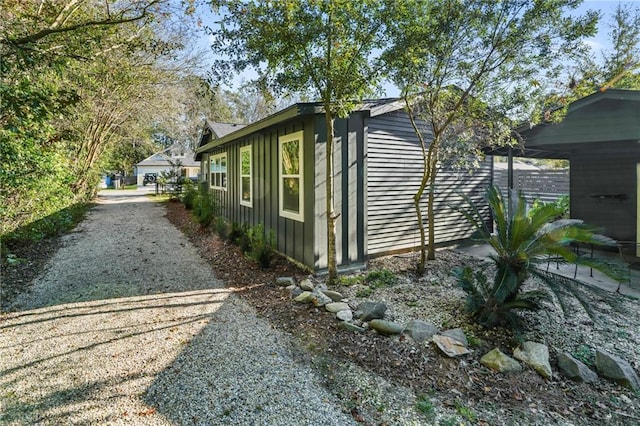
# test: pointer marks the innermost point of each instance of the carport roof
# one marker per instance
(605, 116)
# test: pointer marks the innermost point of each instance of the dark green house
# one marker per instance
(272, 172)
(600, 136)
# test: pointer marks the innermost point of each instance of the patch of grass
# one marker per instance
(364, 292)
(448, 421)
(425, 406)
(585, 354)
(57, 223)
(350, 280)
(466, 412)
(381, 278)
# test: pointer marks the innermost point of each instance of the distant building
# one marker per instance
(164, 161)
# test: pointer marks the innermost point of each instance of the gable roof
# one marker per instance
(374, 106)
(223, 129)
(164, 157)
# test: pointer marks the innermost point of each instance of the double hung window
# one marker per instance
(290, 155)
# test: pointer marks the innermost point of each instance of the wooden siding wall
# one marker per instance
(394, 170)
(294, 239)
(545, 185)
(349, 190)
(603, 188)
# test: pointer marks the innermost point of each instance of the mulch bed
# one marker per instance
(522, 398)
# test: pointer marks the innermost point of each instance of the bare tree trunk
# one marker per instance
(331, 214)
(431, 255)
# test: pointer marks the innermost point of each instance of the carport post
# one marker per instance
(509, 180)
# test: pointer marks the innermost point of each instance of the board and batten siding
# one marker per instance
(294, 238)
(394, 171)
(348, 195)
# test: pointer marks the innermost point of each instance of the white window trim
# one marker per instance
(212, 160)
(248, 149)
(299, 216)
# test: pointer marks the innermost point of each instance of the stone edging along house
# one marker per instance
(272, 172)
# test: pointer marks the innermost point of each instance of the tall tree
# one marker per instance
(53, 54)
(469, 65)
(617, 67)
(323, 47)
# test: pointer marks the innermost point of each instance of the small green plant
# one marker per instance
(237, 232)
(364, 292)
(449, 421)
(381, 278)
(466, 412)
(262, 245)
(585, 354)
(348, 281)
(562, 205)
(425, 406)
(12, 259)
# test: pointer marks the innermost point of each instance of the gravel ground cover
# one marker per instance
(292, 364)
(128, 324)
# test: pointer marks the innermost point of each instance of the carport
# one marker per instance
(600, 136)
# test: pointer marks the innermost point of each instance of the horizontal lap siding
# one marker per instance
(394, 170)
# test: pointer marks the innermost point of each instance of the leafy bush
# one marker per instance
(236, 232)
(521, 242)
(54, 224)
(222, 228)
(262, 246)
(189, 195)
(206, 206)
(561, 203)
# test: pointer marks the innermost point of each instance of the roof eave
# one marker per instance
(293, 111)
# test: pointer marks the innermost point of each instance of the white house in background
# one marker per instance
(163, 162)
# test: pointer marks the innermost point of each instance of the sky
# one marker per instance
(598, 43)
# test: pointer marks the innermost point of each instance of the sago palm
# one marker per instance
(522, 242)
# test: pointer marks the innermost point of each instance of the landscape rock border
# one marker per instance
(370, 315)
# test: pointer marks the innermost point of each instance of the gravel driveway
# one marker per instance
(129, 325)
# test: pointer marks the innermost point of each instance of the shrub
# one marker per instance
(222, 228)
(189, 195)
(561, 203)
(206, 206)
(521, 242)
(261, 245)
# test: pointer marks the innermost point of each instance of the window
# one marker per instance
(246, 187)
(219, 171)
(291, 183)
